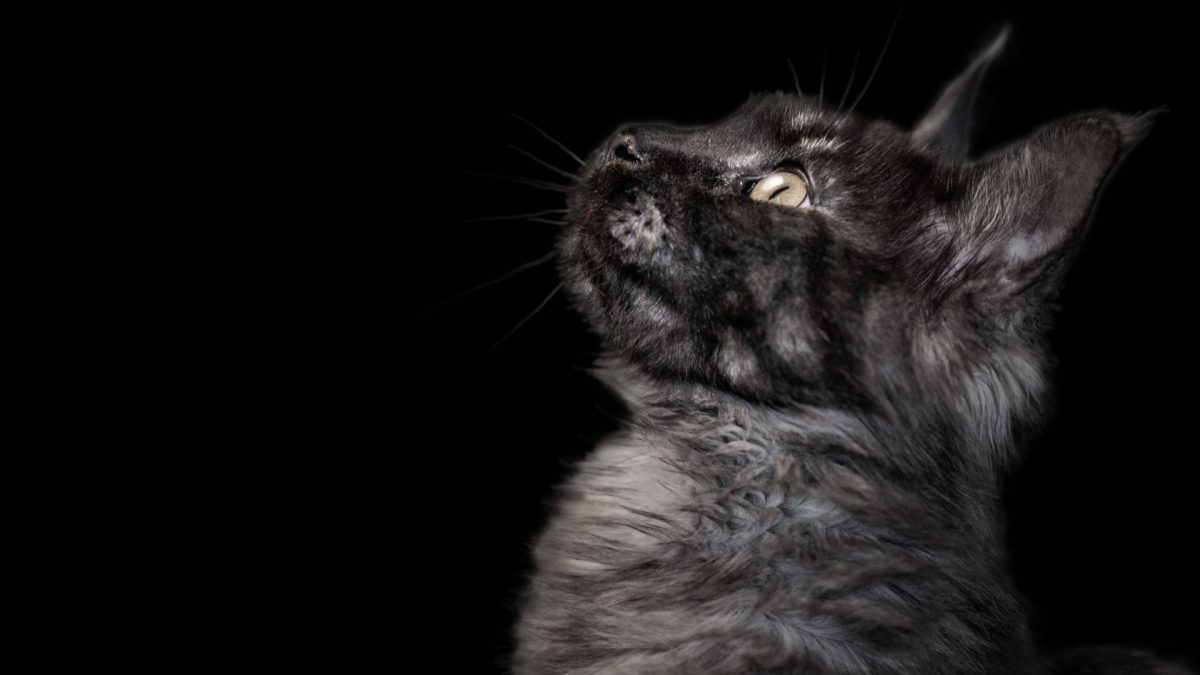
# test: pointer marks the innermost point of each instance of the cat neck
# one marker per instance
(978, 418)
(931, 468)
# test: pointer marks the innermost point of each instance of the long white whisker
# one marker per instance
(527, 318)
(532, 182)
(549, 138)
(503, 277)
(515, 216)
(543, 162)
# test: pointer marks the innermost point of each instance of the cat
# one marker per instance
(830, 333)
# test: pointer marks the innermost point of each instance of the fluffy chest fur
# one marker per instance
(711, 536)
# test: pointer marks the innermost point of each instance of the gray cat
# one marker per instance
(830, 334)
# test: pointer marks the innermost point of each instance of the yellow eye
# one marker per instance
(781, 187)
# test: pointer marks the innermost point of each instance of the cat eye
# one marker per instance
(782, 187)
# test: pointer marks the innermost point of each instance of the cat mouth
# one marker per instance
(638, 225)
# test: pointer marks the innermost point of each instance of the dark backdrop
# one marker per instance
(1101, 512)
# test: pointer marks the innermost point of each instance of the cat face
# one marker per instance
(688, 272)
(796, 252)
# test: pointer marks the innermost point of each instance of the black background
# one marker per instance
(1101, 513)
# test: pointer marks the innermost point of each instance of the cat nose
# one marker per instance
(623, 147)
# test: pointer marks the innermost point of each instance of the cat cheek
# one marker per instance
(793, 341)
(736, 360)
(655, 313)
(639, 227)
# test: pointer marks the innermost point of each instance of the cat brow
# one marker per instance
(820, 144)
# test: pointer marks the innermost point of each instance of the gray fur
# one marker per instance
(821, 399)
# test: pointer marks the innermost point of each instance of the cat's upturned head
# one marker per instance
(795, 252)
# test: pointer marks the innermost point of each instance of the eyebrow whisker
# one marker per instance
(853, 71)
(795, 80)
(878, 61)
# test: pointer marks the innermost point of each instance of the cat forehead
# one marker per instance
(784, 111)
(771, 122)
(794, 121)
(770, 126)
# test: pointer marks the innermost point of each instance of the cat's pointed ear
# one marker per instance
(1019, 215)
(946, 126)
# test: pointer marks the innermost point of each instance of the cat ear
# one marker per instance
(1020, 214)
(946, 126)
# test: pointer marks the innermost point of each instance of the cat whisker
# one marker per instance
(795, 80)
(528, 317)
(543, 162)
(548, 221)
(532, 182)
(515, 216)
(878, 61)
(853, 71)
(821, 91)
(550, 138)
(503, 277)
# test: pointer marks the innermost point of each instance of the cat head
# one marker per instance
(793, 251)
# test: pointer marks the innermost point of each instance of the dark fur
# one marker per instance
(821, 399)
